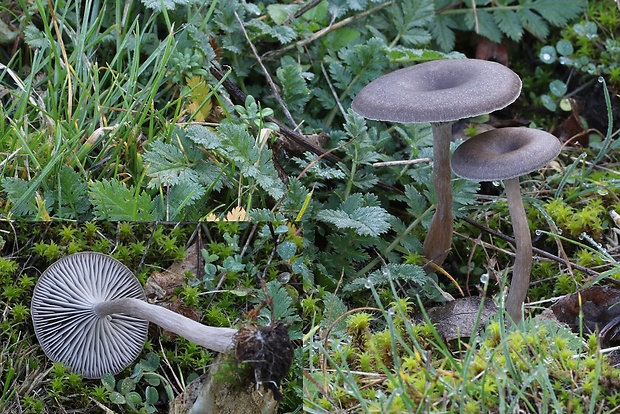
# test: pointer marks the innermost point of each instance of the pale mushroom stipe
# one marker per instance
(89, 312)
(439, 92)
(506, 154)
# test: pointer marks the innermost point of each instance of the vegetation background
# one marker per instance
(119, 113)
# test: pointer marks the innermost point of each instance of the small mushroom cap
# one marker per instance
(66, 325)
(504, 153)
(439, 91)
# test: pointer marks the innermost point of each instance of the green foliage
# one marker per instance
(114, 201)
(360, 213)
(507, 18)
(139, 391)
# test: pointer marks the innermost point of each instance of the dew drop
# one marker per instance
(546, 57)
(582, 236)
(368, 284)
(602, 191)
(538, 232)
(391, 311)
(496, 183)
(601, 79)
(484, 278)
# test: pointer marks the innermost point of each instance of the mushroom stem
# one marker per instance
(439, 237)
(523, 260)
(215, 339)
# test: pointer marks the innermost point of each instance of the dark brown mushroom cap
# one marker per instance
(504, 153)
(66, 325)
(438, 91)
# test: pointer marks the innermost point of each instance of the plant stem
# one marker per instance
(439, 237)
(215, 339)
(523, 260)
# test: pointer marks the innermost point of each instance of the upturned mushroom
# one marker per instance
(506, 154)
(89, 311)
(439, 92)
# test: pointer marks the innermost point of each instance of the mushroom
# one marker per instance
(506, 154)
(439, 92)
(89, 311)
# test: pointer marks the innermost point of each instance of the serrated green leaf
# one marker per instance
(558, 12)
(443, 33)
(482, 22)
(353, 214)
(295, 91)
(72, 200)
(332, 315)
(252, 162)
(533, 23)
(383, 276)
(113, 201)
(203, 136)
(282, 302)
(15, 188)
(159, 5)
(509, 24)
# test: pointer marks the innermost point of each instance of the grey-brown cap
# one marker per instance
(66, 325)
(438, 91)
(504, 153)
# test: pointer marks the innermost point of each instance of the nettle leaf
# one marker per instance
(383, 276)
(114, 201)
(295, 91)
(239, 146)
(355, 213)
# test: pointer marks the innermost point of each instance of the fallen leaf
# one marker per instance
(595, 309)
(461, 318)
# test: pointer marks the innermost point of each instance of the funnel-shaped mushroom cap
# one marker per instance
(66, 325)
(439, 91)
(504, 153)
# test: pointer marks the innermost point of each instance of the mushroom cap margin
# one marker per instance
(504, 153)
(439, 91)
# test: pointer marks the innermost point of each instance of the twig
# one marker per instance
(536, 250)
(326, 30)
(400, 162)
(311, 4)
(272, 85)
(238, 96)
(333, 91)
